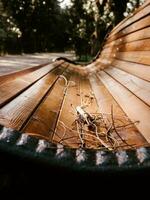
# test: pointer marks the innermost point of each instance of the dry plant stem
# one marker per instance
(64, 130)
(80, 137)
(110, 137)
(101, 141)
(65, 79)
(93, 136)
(45, 138)
(85, 134)
(99, 125)
(108, 132)
(65, 93)
(113, 123)
(68, 138)
(104, 121)
(123, 126)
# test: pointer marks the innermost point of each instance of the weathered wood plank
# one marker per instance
(13, 75)
(106, 101)
(135, 36)
(44, 120)
(139, 70)
(12, 88)
(136, 85)
(15, 113)
(141, 45)
(131, 105)
(140, 57)
(88, 99)
(87, 96)
(64, 127)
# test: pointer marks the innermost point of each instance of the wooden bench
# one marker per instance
(41, 101)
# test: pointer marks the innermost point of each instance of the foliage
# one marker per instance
(82, 22)
(8, 36)
(42, 25)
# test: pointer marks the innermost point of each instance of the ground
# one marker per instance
(13, 63)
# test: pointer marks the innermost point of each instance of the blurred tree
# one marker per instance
(118, 8)
(83, 24)
(109, 14)
(42, 25)
(9, 33)
(21, 12)
(102, 23)
(132, 5)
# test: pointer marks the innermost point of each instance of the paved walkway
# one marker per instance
(13, 63)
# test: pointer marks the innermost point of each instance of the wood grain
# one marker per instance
(135, 36)
(129, 103)
(106, 101)
(136, 69)
(15, 113)
(136, 85)
(12, 88)
(141, 57)
(37, 101)
(44, 120)
(68, 114)
(140, 45)
(11, 76)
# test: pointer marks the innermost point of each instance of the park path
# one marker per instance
(14, 63)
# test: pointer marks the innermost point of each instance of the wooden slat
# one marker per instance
(131, 21)
(141, 45)
(141, 57)
(103, 62)
(67, 114)
(132, 28)
(135, 36)
(12, 88)
(139, 70)
(44, 120)
(132, 105)
(39, 73)
(86, 93)
(11, 71)
(11, 76)
(105, 101)
(136, 85)
(15, 113)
